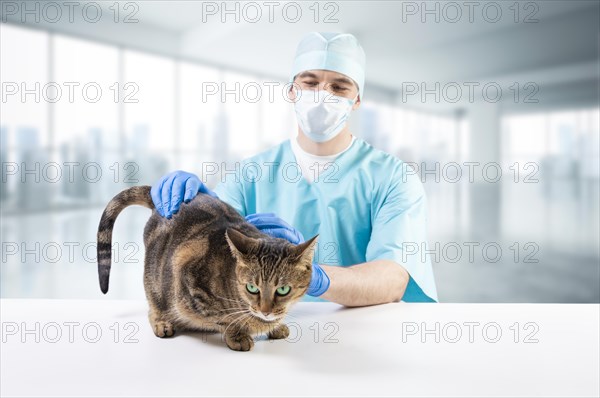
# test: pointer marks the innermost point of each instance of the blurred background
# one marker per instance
(495, 104)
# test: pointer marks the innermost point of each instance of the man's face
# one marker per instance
(333, 82)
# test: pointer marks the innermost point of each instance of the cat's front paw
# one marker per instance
(239, 342)
(163, 329)
(280, 332)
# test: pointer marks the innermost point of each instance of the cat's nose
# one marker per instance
(266, 309)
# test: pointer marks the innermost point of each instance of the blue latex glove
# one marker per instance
(173, 189)
(270, 224)
(274, 226)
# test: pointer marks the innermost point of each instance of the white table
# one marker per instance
(332, 351)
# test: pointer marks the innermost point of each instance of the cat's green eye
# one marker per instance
(251, 288)
(283, 290)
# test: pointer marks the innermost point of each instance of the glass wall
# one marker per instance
(82, 120)
(129, 117)
(556, 199)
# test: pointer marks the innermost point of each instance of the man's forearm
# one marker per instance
(375, 282)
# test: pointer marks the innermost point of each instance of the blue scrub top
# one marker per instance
(364, 207)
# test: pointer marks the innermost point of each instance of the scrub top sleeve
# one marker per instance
(399, 233)
(230, 191)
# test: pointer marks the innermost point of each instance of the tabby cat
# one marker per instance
(207, 269)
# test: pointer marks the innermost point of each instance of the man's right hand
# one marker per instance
(272, 225)
(174, 188)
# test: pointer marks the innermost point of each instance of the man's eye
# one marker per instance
(338, 88)
(310, 83)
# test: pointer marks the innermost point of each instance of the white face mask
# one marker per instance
(322, 115)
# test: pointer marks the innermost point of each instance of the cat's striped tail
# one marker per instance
(132, 196)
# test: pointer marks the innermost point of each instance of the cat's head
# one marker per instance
(271, 273)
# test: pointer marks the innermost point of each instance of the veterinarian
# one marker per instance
(368, 209)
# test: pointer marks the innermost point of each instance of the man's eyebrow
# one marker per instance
(343, 80)
(307, 74)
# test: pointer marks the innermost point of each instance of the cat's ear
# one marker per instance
(239, 243)
(304, 251)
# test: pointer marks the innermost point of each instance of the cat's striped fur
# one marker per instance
(197, 265)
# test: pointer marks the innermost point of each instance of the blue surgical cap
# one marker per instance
(338, 52)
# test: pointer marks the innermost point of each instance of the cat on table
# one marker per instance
(207, 269)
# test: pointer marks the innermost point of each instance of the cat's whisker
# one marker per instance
(235, 313)
(234, 308)
(228, 326)
(240, 305)
(249, 318)
(241, 317)
(228, 314)
(230, 310)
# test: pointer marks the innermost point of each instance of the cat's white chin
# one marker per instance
(268, 318)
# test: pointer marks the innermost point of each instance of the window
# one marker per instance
(90, 119)
(24, 115)
(199, 111)
(239, 125)
(24, 132)
(139, 116)
(278, 119)
(554, 157)
(149, 110)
